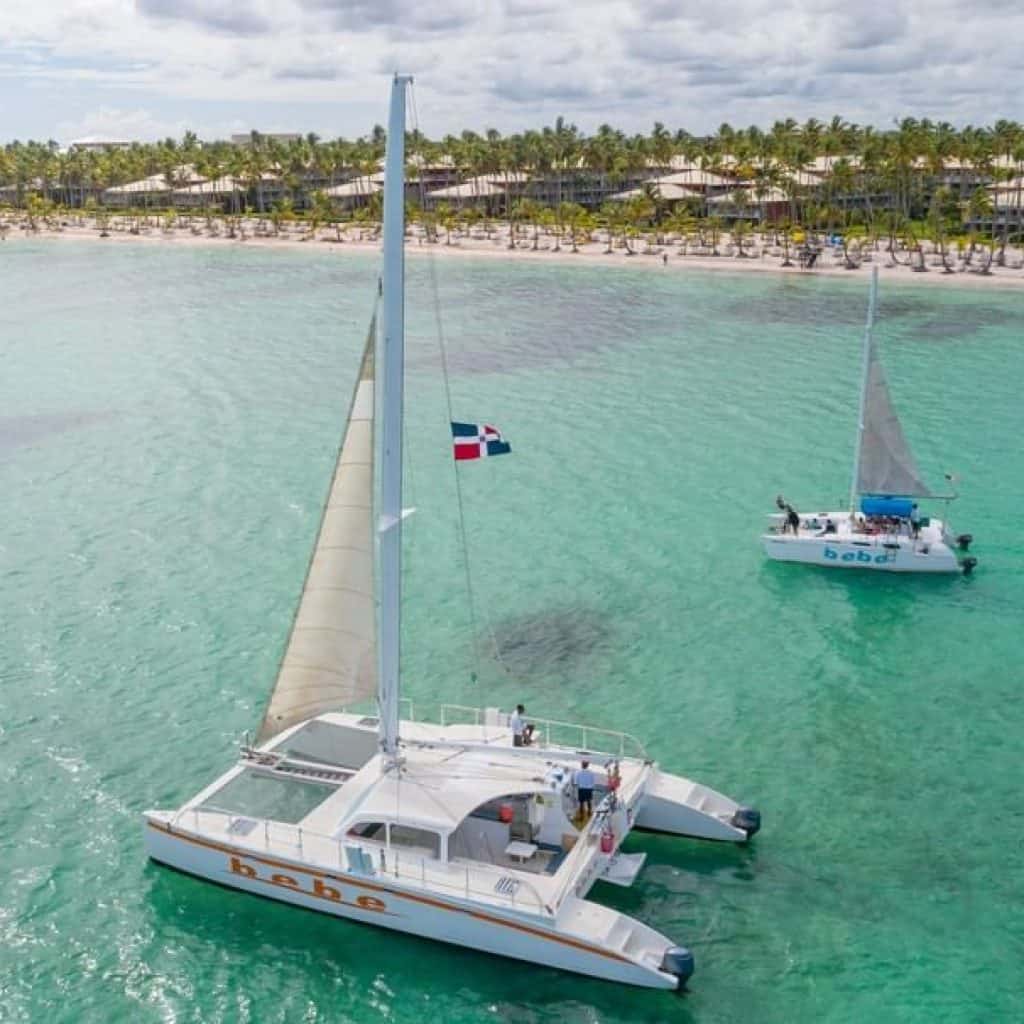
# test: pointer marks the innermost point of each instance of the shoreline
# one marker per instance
(590, 254)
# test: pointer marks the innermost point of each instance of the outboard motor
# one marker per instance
(748, 820)
(963, 541)
(968, 565)
(678, 961)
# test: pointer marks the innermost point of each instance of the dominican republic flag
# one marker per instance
(477, 441)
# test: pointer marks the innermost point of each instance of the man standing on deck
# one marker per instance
(520, 730)
(584, 781)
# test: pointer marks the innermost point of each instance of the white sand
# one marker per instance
(829, 263)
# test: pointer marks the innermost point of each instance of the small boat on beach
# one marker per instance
(458, 825)
(882, 529)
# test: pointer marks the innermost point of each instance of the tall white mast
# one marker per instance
(392, 363)
(872, 301)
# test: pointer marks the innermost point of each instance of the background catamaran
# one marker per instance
(886, 532)
(439, 826)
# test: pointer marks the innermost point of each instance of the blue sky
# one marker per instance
(144, 69)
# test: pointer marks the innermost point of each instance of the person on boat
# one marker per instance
(915, 522)
(792, 519)
(584, 783)
(522, 731)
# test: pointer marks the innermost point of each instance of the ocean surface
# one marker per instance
(168, 421)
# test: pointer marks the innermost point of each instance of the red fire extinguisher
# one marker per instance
(607, 841)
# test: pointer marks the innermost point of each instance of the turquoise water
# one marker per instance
(167, 426)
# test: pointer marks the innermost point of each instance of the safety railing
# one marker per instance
(549, 732)
(326, 852)
(613, 808)
(368, 707)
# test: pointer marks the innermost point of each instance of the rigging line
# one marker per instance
(435, 291)
(458, 481)
(432, 265)
(419, 178)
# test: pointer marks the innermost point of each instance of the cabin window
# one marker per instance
(368, 830)
(417, 838)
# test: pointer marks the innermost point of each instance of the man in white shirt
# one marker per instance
(520, 735)
(584, 782)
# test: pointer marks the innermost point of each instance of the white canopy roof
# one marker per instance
(183, 173)
(694, 177)
(662, 191)
(354, 188)
(218, 187)
(751, 197)
(154, 183)
(438, 788)
(475, 188)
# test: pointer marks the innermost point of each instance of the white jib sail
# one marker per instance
(886, 464)
(331, 657)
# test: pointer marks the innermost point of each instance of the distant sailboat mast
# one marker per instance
(866, 362)
(389, 525)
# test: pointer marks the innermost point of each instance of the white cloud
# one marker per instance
(113, 124)
(318, 64)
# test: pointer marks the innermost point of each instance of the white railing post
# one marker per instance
(300, 838)
(266, 834)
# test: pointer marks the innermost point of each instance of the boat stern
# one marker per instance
(627, 950)
(678, 806)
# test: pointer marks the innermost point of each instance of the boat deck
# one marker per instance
(842, 527)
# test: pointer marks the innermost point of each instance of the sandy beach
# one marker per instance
(762, 257)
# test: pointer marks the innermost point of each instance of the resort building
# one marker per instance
(248, 138)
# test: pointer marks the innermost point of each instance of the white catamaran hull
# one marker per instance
(603, 953)
(680, 807)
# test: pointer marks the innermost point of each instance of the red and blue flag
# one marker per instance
(477, 441)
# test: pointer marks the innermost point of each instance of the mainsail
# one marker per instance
(331, 657)
(886, 465)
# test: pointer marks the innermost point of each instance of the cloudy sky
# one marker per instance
(150, 68)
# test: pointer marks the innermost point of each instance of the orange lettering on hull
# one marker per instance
(328, 892)
(237, 866)
(370, 903)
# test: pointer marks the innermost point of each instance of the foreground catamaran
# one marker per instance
(439, 827)
(886, 532)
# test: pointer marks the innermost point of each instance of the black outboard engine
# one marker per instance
(748, 820)
(678, 961)
(963, 541)
(968, 565)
